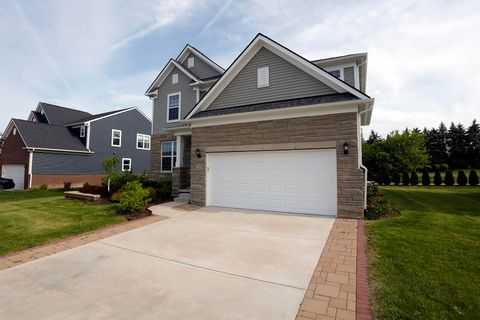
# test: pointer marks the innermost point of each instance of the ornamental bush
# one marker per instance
(378, 206)
(473, 178)
(414, 178)
(425, 177)
(405, 178)
(133, 197)
(396, 178)
(462, 178)
(437, 178)
(449, 181)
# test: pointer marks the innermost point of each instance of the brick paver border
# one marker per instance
(17, 258)
(339, 285)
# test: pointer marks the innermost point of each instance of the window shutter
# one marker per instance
(263, 78)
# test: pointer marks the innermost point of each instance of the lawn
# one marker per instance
(425, 263)
(32, 218)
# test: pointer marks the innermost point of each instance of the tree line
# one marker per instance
(414, 150)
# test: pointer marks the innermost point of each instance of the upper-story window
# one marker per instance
(116, 138)
(82, 132)
(263, 77)
(143, 141)
(173, 107)
(175, 78)
(336, 73)
(191, 62)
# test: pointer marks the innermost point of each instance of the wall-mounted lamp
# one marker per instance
(345, 148)
(197, 152)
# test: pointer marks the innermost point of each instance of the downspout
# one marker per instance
(30, 160)
(360, 164)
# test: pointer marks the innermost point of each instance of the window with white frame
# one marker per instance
(143, 141)
(173, 107)
(126, 164)
(263, 77)
(175, 78)
(116, 138)
(191, 62)
(82, 132)
(336, 73)
(169, 155)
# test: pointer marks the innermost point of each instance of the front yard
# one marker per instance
(32, 218)
(425, 263)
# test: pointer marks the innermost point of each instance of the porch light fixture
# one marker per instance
(197, 152)
(345, 148)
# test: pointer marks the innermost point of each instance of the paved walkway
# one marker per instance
(17, 258)
(339, 286)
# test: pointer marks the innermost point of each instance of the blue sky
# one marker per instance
(423, 64)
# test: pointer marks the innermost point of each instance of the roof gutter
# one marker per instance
(58, 150)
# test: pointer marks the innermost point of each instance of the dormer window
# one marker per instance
(263, 77)
(191, 62)
(175, 78)
(82, 132)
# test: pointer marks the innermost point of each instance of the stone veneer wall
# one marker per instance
(297, 133)
(156, 156)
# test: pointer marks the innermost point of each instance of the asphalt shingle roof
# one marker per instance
(42, 135)
(329, 98)
(58, 115)
(94, 116)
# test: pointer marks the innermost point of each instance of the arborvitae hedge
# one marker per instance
(437, 179)
(462, 178)
(414, 178)
(449, 181)
(473, 178)
(405, 179)
(386, 179)
(396, 178)
(425, 177)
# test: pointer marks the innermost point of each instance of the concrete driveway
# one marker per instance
(213, 263)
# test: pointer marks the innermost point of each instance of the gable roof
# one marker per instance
(190, 49)
(164, 73)
(249, 52)
(57, 115)
(44, 136)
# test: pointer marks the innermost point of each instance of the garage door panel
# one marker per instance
(291, 181)
(15, 172)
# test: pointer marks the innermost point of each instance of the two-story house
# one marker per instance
(273, 132)
(57, 145)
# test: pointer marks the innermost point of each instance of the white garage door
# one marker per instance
(15, 172)
(289, 181)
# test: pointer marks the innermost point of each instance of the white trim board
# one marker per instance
(162, 76)
(189, 49)
(262, 41)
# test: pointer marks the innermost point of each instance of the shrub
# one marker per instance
(94, 189)
(378, 206)
(405, 178)
(425, 177)
(152, 193)
(473, 178)
(117, 180)
(437, 179)
(449, 181)
(414, 178)
(462, 178)
(67, 186)
(436, 167)
(443, 167)
(163, 188)
(133, 198)
(43, 187)
(396, 178)
(116, 196)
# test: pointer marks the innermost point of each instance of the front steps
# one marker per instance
(183, 195)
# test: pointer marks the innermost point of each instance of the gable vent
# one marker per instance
(263, 78)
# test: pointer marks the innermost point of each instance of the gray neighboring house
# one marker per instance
(273, 132)
(57, 144)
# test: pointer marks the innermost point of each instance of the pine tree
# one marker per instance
(462, 178)
(473, 145)
(473, 178)
(396, 178)
(457, 146)
(437, 179)
(449, 181)
(373, 137)
(405, 178)
(425, 177)
(414, 178)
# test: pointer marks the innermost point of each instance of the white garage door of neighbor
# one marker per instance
(300, 181)
(15, 172)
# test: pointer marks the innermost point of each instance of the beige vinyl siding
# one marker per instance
(286, 81)
(349, 76)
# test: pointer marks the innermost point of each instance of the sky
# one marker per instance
(97, 56)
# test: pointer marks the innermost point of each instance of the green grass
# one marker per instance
(425, 263)
(32, 218)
